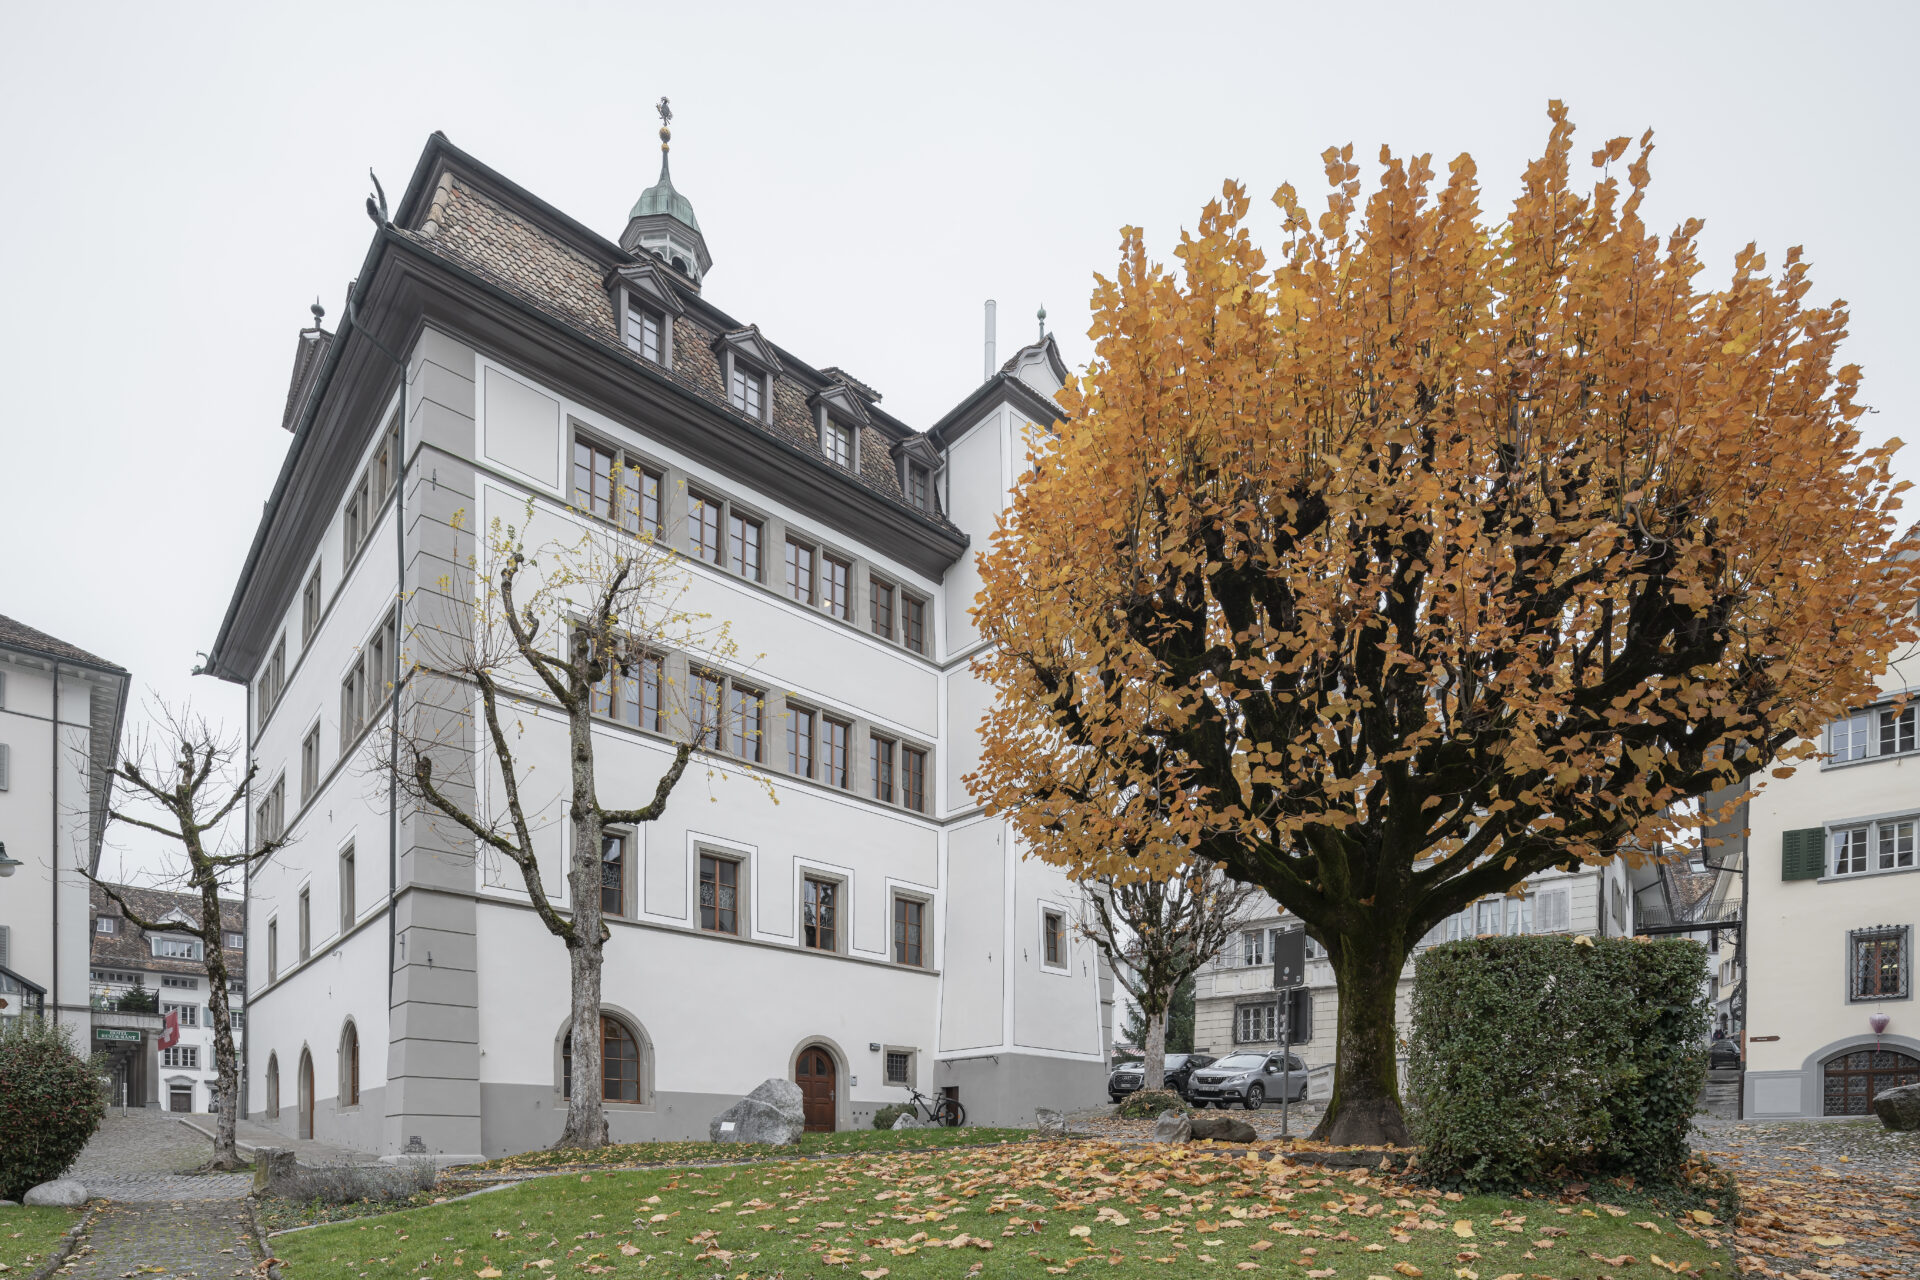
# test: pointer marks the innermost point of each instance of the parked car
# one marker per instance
(1250, 1080)
(1128, 1076)
(1723, 1053)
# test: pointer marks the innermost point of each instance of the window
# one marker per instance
(1897, 730)
(310, 607)
(107, 924)
(836, 581)
(1879, 963)
(703, 528)
(913, 623)
(613, 874)
(273, 679)
(909, 921)
(306, 923)
(353, 522)
(1553, 911)
(913, 779)
(273, 950)
(619, 1063)
(880, 607)
(379, 664)
(833, 752)
(615, 486)
(271, 812)
(1257, 1023)
(645, 330)
(169, 948)
(233, 942)
(820, 915)
(630, 691)
(1884, 731)
(181, 984)
(1053, 939)
(747, 389)
(800, 571)
(347, 909)
(919, 486)
(746, 711)
(1253, 947)
(899, 1067)
(189, 1013)
(743, 537)
(719, 894)
(310, 764)
(350, 705)
(837, 442)
(708, 729)
(800, 742)
(1883, 845)
(184, 1056)
(880, 760)
(350, 1066)
(1520, 915)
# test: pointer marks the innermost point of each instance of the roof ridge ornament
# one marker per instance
(666, 118)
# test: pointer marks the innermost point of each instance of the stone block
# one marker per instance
(1899, 1108)
(63, 1192)
(1051, 1123)
(1172, 1127)
(1221, 1128)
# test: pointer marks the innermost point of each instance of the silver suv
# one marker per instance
(1249, 1079)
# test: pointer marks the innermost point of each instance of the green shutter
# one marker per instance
(1803, 854)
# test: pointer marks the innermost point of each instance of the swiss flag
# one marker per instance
(171, 1036)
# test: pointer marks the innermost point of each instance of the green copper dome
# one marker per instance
(662, 198)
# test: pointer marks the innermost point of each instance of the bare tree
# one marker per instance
(183, 782)
(1156, 933)
(567, 632)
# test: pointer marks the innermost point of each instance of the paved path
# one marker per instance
(204, 1239)
(147, 1156)
(250, 1137)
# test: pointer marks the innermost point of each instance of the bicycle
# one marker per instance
(940, 1111)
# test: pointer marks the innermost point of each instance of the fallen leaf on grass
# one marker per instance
(629, 1249)
(1408, 1269)
(489, 1273)
(1675, 1267)
(1083, 1231)
(1704, 1218)
(1828, 1242)
(874, 1274)
(1463, 1229)
(1651, 1227)
(1618, 1260)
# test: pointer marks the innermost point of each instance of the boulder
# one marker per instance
(1221, 1128)
(908, 1120)
(9, 1204)
(272, 1167)
(1898, 1108)
(64, 1192)
(1052, 1123)
(774, 1113)
(1172, 1127)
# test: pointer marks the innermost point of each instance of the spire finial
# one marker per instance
(319, 312)
(666, 118)
(1041, 316)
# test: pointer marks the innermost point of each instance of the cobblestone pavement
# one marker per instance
(203, 1239)
(146, 1155)
(1101, 1123)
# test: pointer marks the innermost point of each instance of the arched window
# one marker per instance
(1852, 1078)
(273, 1086)
(350, 1066)
(619, 1063)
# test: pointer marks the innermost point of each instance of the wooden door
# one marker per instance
(1854, 1077)
(306, 1095)
(815, 1075)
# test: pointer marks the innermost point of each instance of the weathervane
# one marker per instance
(666, 118)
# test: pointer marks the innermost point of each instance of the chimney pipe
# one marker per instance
(991, 365)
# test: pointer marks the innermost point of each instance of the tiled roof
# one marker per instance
(18, 635)
(128, 947)
(511, 251)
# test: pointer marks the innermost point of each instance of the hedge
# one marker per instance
(51, 1101)
(1536, 1055)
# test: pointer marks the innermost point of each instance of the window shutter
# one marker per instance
(1803, 853)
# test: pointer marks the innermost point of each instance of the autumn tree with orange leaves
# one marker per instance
(1437, 552)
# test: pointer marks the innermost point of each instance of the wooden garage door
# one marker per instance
(814, 1074)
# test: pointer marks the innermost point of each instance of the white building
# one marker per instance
(60, 715)
(1234, 1004)
(1833, 898)
(140, 977)
(403, 993)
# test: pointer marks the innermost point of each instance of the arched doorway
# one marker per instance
(814, 1073)
(1852, 1078)
(306, 1095)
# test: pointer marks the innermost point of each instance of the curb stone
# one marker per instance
(256, 1234)
(68, 1242)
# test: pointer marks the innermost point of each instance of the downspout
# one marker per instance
(56, 841)
(246, 916)
(1740, 933)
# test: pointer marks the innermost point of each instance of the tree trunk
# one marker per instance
(1155, 1066)
(226, 1152)
(586, 1117)
(1365, 1107)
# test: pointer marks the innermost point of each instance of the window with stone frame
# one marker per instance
(1256, 1023)
(834, 743)
(185, 1057)
(613, 873)
(348, 909)
(706, 708)
(913, 779)
(703, 528)
(1885, 844)
(744, 536)
(719, 893)
(913, 623)
(909, 932)
(800, 576)
(836, 587)
(310, 764)
(746, 718)
(1053, 939)
(622, 1063)
(800, 741)
(880, 607)
(880, 767)
(899, 1067)
(820, 914)
(1880, 963)
(630, 691)
(310, 606)
(616, 486)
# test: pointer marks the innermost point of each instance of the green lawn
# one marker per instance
(844, 1142)
(28, 1235)
(1037, 1209)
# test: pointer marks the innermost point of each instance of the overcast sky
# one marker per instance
(182, 180)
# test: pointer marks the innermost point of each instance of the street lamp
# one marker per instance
(7, 864)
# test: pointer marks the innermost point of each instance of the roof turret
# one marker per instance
(662, 221)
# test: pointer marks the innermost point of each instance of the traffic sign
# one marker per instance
(1289, 958)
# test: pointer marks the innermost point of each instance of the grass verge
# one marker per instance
(28, 1233)
(844, 1142)
(1038, 1209)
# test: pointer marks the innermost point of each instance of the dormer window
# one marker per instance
(919, 486)
(837, 441)
(646, 332)
(747, 389)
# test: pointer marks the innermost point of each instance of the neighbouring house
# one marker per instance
(61, 710)
(863, 930)
(1833, 852)
(139, 977)
(1234, 1003)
